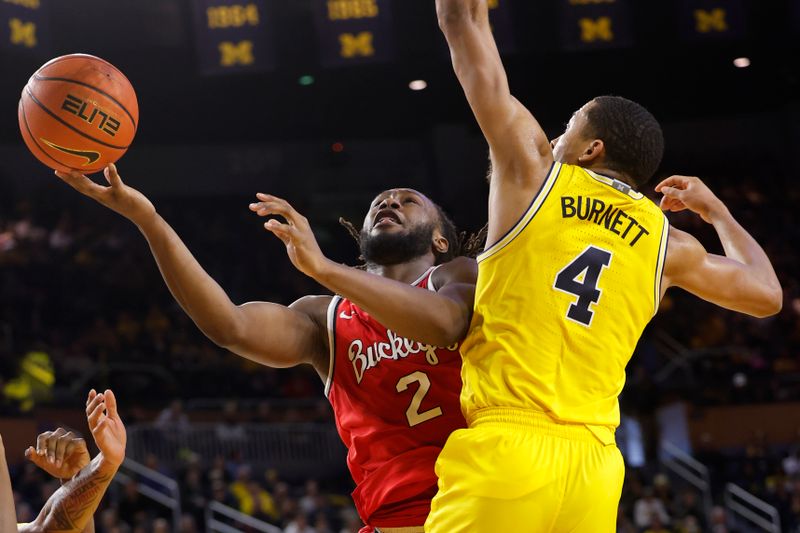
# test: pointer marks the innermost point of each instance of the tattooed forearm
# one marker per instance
(71, 508)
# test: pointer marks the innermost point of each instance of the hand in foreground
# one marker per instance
(296, 234)
(60, 453)
(686, 192)
(106, 426)
(118, 197)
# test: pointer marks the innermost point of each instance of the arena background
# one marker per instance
(240, 97)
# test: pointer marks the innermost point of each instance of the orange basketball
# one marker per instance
(78, 112)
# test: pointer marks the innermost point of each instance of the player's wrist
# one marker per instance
(718, 213)
(108, 464)
(147, 221)
(325, 270)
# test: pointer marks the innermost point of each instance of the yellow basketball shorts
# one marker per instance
(520, 471)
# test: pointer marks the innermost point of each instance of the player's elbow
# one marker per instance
(446, 332)
(773, 303)
(453, 16)
(769, 304)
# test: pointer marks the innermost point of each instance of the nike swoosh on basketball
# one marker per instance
(90, 156)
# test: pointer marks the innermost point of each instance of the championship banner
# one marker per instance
(501, 20)
(233, 36)
(593, 24)
(24, 26)
(353, 32)
(707, 20)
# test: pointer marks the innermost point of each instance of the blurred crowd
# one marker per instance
(83, 301)
(652, 502)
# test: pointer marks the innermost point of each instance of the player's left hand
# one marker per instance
(106, 426)
(688, 192)
(296, 234)
(60, 453)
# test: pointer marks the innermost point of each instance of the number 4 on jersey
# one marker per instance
(580, 278)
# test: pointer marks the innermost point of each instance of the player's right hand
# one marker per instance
(688, 192)
(60, 453)
(106, 426)
(118, 197)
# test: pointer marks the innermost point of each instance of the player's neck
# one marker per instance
(407, 272)
(613, 174)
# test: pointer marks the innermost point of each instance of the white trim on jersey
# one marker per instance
(431, 285)
(331, 341)
(419, 279)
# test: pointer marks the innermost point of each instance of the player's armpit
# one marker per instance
(279, 336)
(718, 279)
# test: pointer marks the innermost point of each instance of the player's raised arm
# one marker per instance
(267, 333)
(743, 280)
(438, 318)
(520, 151)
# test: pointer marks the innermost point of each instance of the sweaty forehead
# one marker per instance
(402, 192)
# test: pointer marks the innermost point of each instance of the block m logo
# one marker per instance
(240, 53)
(22, 33)
(708, 21)
(596, 29)
(357, 45)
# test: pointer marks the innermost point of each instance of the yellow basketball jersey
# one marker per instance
(562, 299)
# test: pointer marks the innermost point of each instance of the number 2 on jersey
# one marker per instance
(580, 279)
(412, 413)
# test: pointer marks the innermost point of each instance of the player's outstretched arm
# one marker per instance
(71, 508)
(743, 280)
(438, 318)
(267, 333)
(520, 150)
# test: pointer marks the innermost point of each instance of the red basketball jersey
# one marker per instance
(396, 401)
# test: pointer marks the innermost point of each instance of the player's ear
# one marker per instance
(594, 151)
(440, 243)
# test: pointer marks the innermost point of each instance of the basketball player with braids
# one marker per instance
(576, 266)
(386, 347)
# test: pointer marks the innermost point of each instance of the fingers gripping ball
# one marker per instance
(78, 112)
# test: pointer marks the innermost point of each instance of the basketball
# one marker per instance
(78, 112)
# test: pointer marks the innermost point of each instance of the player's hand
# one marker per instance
(296, 234)
(118, 197)
(106, 426)
(686, 192)
(60, 453)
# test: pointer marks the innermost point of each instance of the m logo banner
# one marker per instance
(708, 20)
(233, 36)
(591, 24)
(354, 31)
(24, 26)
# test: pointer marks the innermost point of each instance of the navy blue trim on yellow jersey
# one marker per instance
(617, 185)
(660, 263)
(535, 196)
(537, 203)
